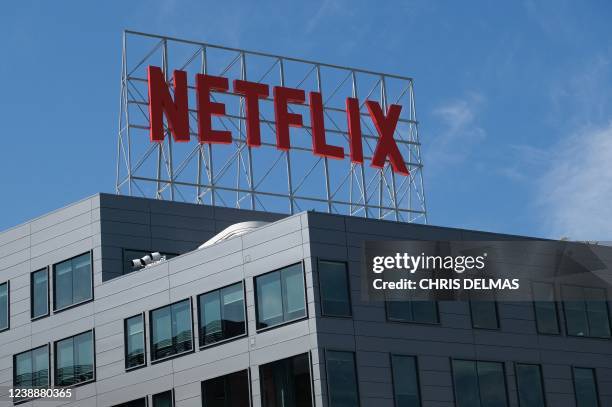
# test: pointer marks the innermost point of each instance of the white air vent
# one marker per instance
(233, 231)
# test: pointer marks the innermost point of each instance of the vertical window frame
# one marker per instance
(348, 287)
(55, 309)
(476, 361)
(555, 304)
(173, 401)
(597, 394)
(283, 298)
(8, 306)
(144, 344)
(32, 317)
(250, 389)
(163, 359)
(542, 382)
(418, 376)
(49, 372)
(199, 317)
(327, 382)
(310, 374)
(145, 398)
(93, 340)
(389, 318)
(607, 303)
(497, 317)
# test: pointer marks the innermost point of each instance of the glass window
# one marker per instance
(31, 368)
(334, 289)
(164, 399)
(529, 383)
(134, 403)
(72, 282)
(586, 311)
(341, 379)
(74, 359)
(547, 320)
(585, 385)
(231, 390)
(286, 382)
(280, 296)
(405, 381)
(134, 341)
(39, 286)
(484, 314)
(479, 384)
(221, 314)
(171, 330)
(4, 306)
(421, 311)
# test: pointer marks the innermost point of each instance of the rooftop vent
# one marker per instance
(237, 229)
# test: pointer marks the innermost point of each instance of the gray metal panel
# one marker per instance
(120, 222)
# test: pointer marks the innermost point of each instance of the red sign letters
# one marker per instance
(177, 116)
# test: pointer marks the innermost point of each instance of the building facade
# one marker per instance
(274, 317)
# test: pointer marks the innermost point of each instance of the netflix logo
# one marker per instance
(176, 112)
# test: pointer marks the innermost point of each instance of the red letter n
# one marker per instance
(386, 146)
(160, 103)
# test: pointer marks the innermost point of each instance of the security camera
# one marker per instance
(147, 259)
(137, 263)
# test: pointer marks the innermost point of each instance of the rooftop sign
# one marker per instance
(177, 116)
(267, 132)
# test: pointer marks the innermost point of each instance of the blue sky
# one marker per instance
(514, 98)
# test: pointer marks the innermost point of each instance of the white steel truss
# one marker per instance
(265, 178)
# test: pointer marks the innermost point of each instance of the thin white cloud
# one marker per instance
(459, 131)
(521, 161)
(583, 97)
(575, 193)
(328, 8)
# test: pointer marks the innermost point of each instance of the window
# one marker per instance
(72, 282)
(221, 314)
(484, 314)
(421, 311)
(405, 381)
(280, 296)
(341, 379)
(231, 390)
(171, 330)
(134, 403)
(529, 383)
(4, 306)
(31, 368)
(479, 384)
(286, 382)
(164, 399)
(334, 289)
(74, 359)
(547, 320)
(134, 342)
(586, 311)
(39, 292)
(585, 387)
(129, 255)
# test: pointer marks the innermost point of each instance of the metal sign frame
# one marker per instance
(265, 178)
